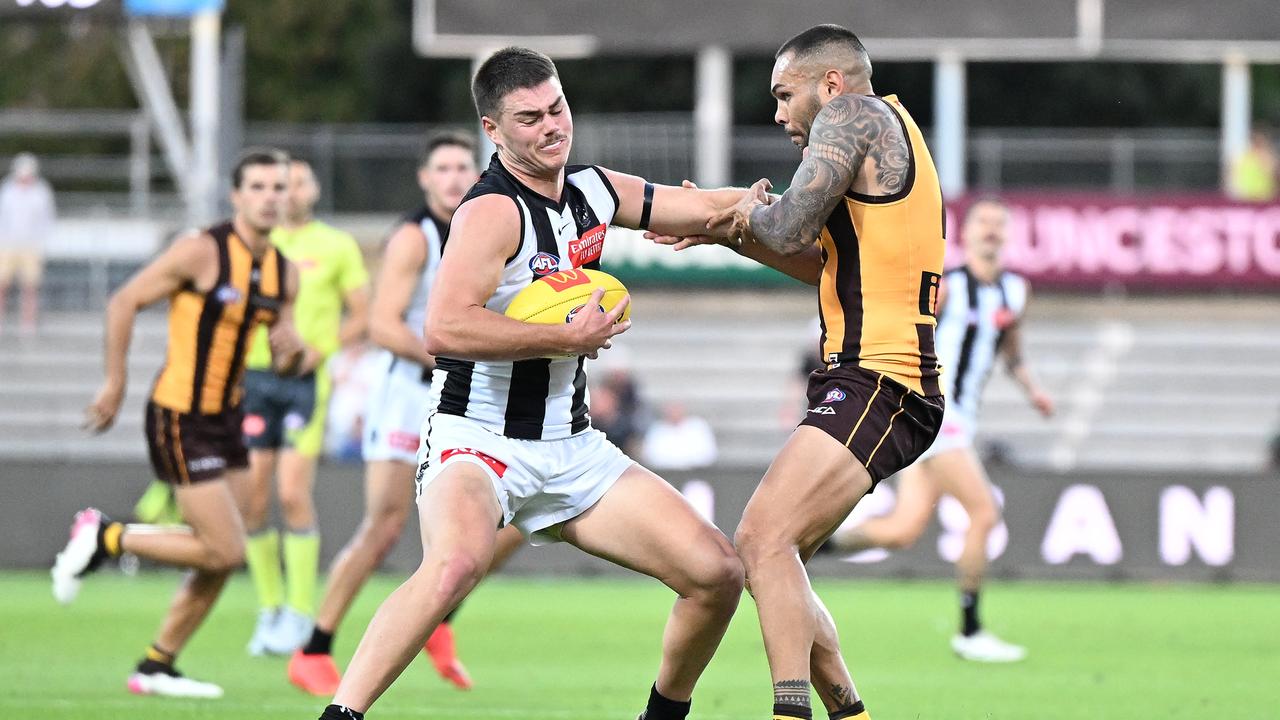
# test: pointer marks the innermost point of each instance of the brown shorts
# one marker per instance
(883, 423)
(189, 448)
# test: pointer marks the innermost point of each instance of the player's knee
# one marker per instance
(984, 517)
(382, 530)
(460, 571)
(905, 536)
(224, 558)
(296, 506)
(756, 544)
(726, 580)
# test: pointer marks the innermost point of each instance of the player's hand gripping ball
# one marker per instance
(556, 298)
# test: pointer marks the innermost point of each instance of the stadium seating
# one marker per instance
(1149, 383)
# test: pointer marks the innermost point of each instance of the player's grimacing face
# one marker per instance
(797, 99)
(985, 229)
(535, 126)
(262, 195)
(448, 175)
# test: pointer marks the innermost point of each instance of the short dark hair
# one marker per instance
(508, 69)
(821, 37)
(448, 138)
(981, 200)
(256, 156)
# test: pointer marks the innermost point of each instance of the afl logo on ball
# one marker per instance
(569, 318)
(835, 395)
(544, 264)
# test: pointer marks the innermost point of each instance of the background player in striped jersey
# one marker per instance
(398, 405)
(509, 440)
(982, 306)
(222, 283)
(285, 416)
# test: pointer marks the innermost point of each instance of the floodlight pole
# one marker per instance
(713, 116)
(949, 121)
(206, 31)
(1236, 109)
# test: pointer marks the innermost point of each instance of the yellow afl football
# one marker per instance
(557, 297)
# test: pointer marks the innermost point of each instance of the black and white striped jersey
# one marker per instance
(971, 325)
(436, 233)
(541, 399)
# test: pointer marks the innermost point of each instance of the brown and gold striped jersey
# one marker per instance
(882, 259)
(209, 331)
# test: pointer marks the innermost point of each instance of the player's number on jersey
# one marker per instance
(929, 283)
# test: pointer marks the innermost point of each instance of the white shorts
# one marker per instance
(538, 483)
(958, 430)
(398, 404)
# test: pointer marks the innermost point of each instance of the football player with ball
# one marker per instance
(508, 439)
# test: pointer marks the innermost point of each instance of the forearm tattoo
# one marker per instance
(791, 692)
(848, 131)
(842, 694)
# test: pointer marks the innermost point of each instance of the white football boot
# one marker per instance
(983, 646)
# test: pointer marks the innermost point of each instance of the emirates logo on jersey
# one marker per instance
(588, 247)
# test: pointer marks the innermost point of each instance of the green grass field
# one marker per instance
(569, 649)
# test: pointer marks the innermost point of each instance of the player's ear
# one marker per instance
(490, 128)
(833, 83)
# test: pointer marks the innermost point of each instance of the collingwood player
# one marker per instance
(509, 438)
(980, 322)
(398, 404)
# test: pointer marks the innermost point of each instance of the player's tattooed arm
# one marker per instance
(848, 132)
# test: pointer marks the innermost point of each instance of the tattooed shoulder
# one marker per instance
(852, 128)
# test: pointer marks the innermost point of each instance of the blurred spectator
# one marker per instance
(26, 222)
(679, 441)
(1254, 172)
(352, 370)
(795, 400)
(616, 407)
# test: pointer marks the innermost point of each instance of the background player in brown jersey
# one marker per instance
(222, 283)
(862, 220)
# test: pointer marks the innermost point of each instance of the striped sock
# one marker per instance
(156, 654)
(111, 536)
(301, 569)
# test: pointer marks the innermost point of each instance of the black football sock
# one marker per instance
(339, 712)
(321, 643)
(663, 708)
(156, 661)
(969, 624)
(791, 700)
(856, 711)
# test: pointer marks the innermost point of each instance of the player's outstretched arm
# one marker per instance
(850, 131)
(1011, 350)
(805, 266)
(402, 265)
(484, 234)
(178, 265)
(668, 210)
(289, 355)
